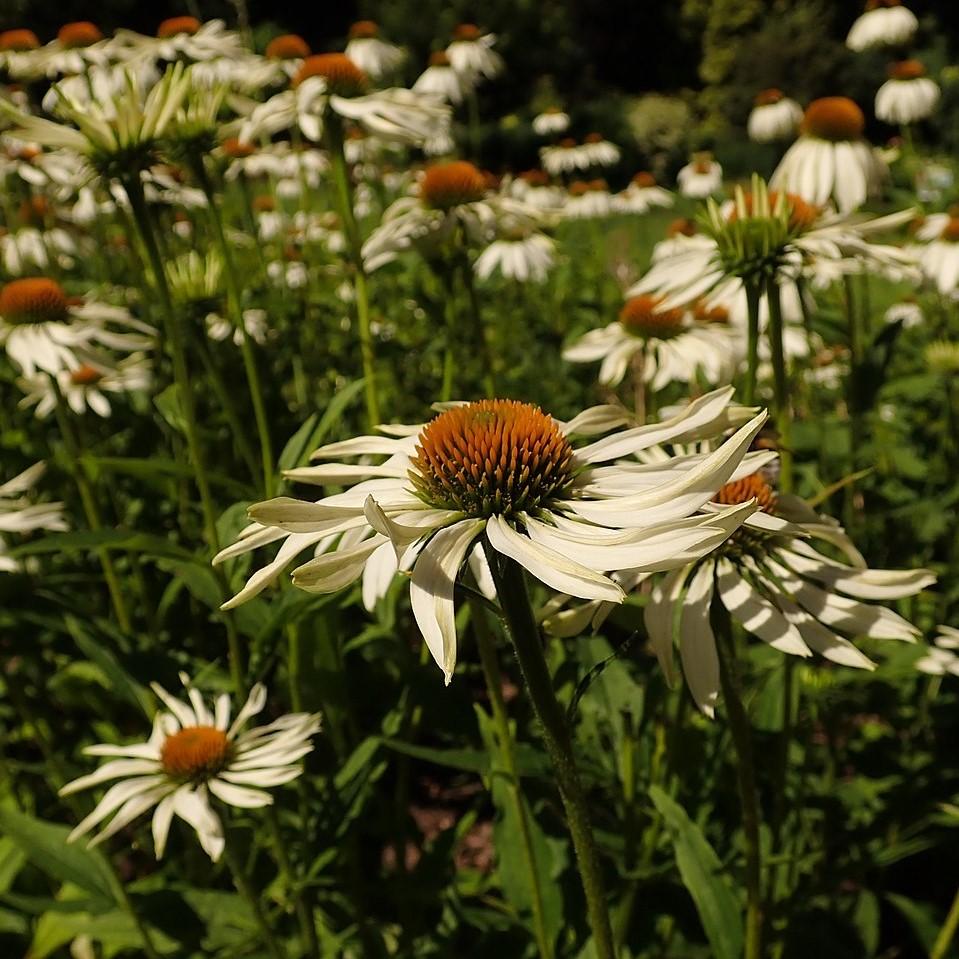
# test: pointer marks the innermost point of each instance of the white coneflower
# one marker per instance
(941, 657)
(449, 197)
(908, 95)
(598, 151)
(19, 515)
(563, 157)
(255, 323)
(182, 38)
(673, 343)
(77, 46)
(701, 177)
(534, 189)
(440, 80)
(471, 53)
(373, 55)
(587, 200)
(773, 117)
(333, 82)
(642, 195)
(520, 254)
(20, 54)
(41, 329)
(509, 473)
(885, 23)
(194, 757)
(907, 312)
(550, 122)
(938, 250)
(831, 160)
(88, 386)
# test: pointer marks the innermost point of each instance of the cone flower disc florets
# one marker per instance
(492, 457)
(33, 300)
(343, 77)
(445, 185)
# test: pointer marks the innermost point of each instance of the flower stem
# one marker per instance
(344, 198)
(754, 294)
(780, 386)
(479, 330)
(948, 931)
(90, 508)
(235, 299)
(304, 913)
(187, 403)
(249, 896)
(745, 775)
(504, 737)
(522, 628)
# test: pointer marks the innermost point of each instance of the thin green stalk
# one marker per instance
(344, 198)
(504, 737)
(783, 411)
(449, 312)
(247, 347)
(187, 400)
(754, 292)
(90, 508)
(304, 913)
(745, 775)
(252, 900)
(947, 933)
(293, 662)
(479, 329)
(524, 632)
(853, 393)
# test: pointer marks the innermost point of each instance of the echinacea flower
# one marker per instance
(373, 55)
(520, 254)
(701, 177)
(41, 329)
(88, 386)
(598, 151)
(78, 45)
(194, 757)
(937, 250)
(773, 117)
(508, 473)
(333, 83)
(641, 195)
(908, 95)
(450, 198)
(440, 80)
(941, 658)
(563, 157)
(884, 23)
(19, 54)
(587, 200)
(550, 122)
(672, 344)
(182, 38)
(831, 160)
(19, 515)
(472, 55)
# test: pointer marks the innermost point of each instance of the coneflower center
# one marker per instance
(175, 26)
(85, 375)
(364, 30)
(196, 752)
(18, 41)
(83, 33)
(33, 300)
(492, 457)
(766, 98)
(343, 77)
(747, 488)
(468, 32)
(644, 317)
(950, 232)
(644, 179)
(907, 70)
(288, 46)
(833, 118)
(445, 185)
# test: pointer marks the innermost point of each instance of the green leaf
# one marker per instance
(157, 468)
(101, 539)
(122, 683)
(312, 433)
(921, 918)
(702, 874)
(45, 845)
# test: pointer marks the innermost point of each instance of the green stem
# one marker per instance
(781, 387)
(754, 292)
(90, 508)
(853, 395)
(948, 931)
(344, 197)
(304, 914)
(504, 737)
(524, 632)
(235, 300)
(745, 775)
(187, 403)
(479, 329)
(252, 900)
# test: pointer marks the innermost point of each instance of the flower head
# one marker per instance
(194, 757)
(506, 472)
(288, 46)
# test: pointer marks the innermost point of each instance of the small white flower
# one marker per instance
(885, 23)
(701, 177)
(193, 756)
(937, 251)
(941, 657)
(550, 122)
(472, 55)
(907, 312)
(774, 117)
(524, 258)
(642, 195)
(370, 53)
(19, 515)
(908, 95)
(440, 80)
